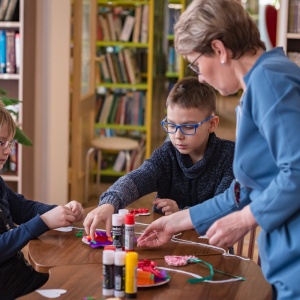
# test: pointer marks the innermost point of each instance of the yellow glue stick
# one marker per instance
(131, 262)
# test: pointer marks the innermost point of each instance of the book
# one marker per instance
(122, 67)
(2, 51)
(18, 52)
(104, 26)
(127, 28)
(106, 109)
(111, 68)
(3, 8)
(120, 162)
(137, 24)
(145, 24)
(111, 26)
(10, 52)
(11, 13)
(130, 64)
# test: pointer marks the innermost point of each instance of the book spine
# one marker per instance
(2, 51)
(10, 52)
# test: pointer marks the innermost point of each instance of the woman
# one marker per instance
(223, 45)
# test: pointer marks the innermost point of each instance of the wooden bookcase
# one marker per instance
(288, 36)
(175, 66)
(86, 51)
(13, 85)
(124, 72)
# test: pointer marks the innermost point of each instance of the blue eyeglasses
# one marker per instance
(187, 129)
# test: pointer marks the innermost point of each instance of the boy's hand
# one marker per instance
(77, 209)
(60, 216)
(168, 206)
(100, 214)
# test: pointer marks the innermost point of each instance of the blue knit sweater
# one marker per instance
(173, 175)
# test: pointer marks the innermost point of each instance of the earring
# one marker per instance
(222, 62)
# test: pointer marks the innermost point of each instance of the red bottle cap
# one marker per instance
(129, 219)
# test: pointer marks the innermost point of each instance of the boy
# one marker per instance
(22, 220)
(192, 167)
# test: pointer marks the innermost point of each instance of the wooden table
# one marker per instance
(77, 267)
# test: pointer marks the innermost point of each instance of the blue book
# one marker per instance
(2, 51)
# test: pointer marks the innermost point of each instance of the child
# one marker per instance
(192, 167)
(22, 220)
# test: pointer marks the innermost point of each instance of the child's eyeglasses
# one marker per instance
(187, 129)
(5, 144)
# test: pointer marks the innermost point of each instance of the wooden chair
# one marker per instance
(111, 144)
(251, 246)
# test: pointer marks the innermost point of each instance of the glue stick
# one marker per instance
(119, 274)
(117, 231)
(108, 273)
(131, 263)
(129, 232)
(123, 212)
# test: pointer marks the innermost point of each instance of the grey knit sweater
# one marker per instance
(173, 175)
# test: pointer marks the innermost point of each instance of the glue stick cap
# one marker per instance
(129, 219)
(108, 257)
(123, 211)
(117, 220)
(110, 247)
(120, 258)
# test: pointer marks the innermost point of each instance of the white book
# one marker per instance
(120, 162)
(127, 29)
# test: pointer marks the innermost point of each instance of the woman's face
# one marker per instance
(215, 73)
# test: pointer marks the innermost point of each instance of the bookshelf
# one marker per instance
(11, 80)
(124, 73)
(91, 46)
(175, 66)
(288, 29)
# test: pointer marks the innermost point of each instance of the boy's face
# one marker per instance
(194, 145)
(4, 153)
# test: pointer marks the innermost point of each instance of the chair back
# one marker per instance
(250, 252)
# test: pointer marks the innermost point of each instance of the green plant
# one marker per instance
(20, 135)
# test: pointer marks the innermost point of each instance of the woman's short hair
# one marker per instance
(190, 93)
(226, 20)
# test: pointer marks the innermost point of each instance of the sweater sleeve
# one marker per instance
(137, 183)
(14, 240)
(205, 214)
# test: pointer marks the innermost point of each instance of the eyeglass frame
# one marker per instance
(194, 68)
(163, 122)
(10, 144)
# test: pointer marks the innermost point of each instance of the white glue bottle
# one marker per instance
(123, 212)
(119, 272)
(108, 272)
(129, 232)
(117, 221)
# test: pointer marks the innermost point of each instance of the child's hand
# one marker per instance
(77, 209)
(168, 206)
(100, 214)
(60, 216)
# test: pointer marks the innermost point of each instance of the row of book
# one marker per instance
(120, 24)
(121, 65)
(9, 10)
(173, 60)
(294, 16)
(123, 108)
(9, 51)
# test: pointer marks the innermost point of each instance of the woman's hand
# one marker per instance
(77, 209)
(226, 231)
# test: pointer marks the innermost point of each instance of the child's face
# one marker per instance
(4, 153)
(194, 145)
